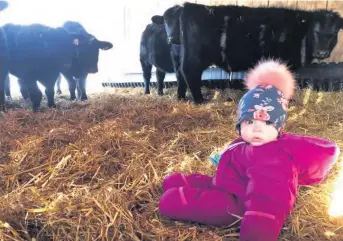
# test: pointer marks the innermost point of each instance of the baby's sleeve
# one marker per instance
(314, 157)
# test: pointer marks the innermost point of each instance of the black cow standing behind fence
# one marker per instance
(235, 38)
(155, 51)
(85, 61)
(37, 52)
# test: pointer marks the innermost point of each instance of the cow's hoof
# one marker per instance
(52, 106)
(181, 97)
(72, 98)
(2, 108)
(147, 92)
(160, 93)
(199, 102)
(26, 104)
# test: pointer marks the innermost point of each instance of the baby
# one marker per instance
(258, 174)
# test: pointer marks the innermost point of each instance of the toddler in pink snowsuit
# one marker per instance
(258, 174)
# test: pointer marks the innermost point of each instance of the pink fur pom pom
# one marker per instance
(271, 72)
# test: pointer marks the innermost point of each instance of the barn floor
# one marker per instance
(93, 170)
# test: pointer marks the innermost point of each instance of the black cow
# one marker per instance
(155, 50)
(3, 5)
(37, 52)
(235, 38)
(85, 62)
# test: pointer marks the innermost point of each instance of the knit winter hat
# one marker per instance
(270, 86)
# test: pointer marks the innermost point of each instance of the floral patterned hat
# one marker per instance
(265, 103)
(270, 85)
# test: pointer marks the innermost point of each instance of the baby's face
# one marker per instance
(258, 132)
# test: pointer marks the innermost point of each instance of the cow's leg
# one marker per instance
(3, 69)
(147, 76)
(192, 75)
(181, 86)
(58, 85)
(181, 83)
(35, 93)
(192, 68)
(81, 87)
(71, 84)
(160, 75)
(3, 75)
(50, 93)
(8, 88)
(23, 89)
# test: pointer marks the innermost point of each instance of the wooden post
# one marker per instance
(335, 6)
(283, 3)
(244, 2)
(205, 2)
(337, 53)
(223, 2)
(311, 5)
(260, 3)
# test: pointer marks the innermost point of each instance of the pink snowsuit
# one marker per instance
(257, 183)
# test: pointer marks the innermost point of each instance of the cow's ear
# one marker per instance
(3, 5)
(104, 45)
(157, 19)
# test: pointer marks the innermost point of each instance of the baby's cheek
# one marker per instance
(246, 135)
(272, 133)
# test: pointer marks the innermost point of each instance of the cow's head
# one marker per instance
(157, 19)
(172, 24)
(323, 33)
(88, 53)
(3, 5)
(61, 45)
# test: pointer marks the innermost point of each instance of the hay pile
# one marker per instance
(93, 171)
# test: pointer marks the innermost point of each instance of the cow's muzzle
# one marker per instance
(321, 54)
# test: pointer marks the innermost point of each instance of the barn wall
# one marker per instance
(337, 54)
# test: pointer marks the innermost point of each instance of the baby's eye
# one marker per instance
(249, 122)
(269, 123)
